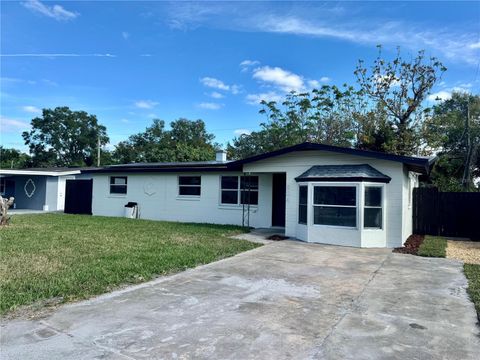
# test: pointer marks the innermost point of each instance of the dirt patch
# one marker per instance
(411, 245)
(277, 237)
(466, 251)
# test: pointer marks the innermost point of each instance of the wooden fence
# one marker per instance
(455, 214)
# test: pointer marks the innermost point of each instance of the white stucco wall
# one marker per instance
(294, 164)
(158, 199)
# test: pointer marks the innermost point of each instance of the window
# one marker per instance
(118, 185)
(237, 190)
(3, 186)
(189, 185)
(302, 204)
(372, 216)
(335, 205)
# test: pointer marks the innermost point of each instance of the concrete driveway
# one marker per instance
(285, 300)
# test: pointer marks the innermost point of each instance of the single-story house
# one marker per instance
(317, 193)
(36, 189)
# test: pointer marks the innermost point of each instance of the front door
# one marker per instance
(279, 182)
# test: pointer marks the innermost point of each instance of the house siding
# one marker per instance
(296, 163)
(158, 199)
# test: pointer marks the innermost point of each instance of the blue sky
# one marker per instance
(129, 62)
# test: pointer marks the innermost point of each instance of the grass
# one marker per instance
(72, 257)
(433, 246)
(472, 272)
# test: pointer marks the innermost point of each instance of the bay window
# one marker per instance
(335, 205)
(372, 213)
(302, 204)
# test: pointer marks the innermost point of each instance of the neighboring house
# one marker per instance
(318, 193)
(36, 189)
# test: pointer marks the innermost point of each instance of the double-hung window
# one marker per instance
(237, 190)
(372, 216)
(189, 185)
(302, 204)
(335, 205)
(118, 185)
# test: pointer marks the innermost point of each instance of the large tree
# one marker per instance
(186, 140)
(62, 137)
(400, 86)
(454, 129)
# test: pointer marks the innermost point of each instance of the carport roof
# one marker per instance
(53, 171)
(362, 172)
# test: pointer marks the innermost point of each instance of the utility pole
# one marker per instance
(98, 151)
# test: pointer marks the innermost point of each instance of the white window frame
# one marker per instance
(357, 201)
(299, 204)
(238, 190)
(188, 196)
(382, 206)
(118, 185)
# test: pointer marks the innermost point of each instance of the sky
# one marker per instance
(129, 62)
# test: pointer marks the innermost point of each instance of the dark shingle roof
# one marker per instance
(362, 172)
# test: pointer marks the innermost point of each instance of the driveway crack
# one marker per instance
(353, 305)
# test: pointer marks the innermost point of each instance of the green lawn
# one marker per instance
(433, 246)
(472, 272)
(70, 257)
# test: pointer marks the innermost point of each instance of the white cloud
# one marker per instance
(247, 64)
(314, 83)
(216, 95)
(31, 109)
(214, 83)
(240, 132)
(146, 104)
(325, 79)
(152, 115)
(125, 121)
(447, 41)
(450, 44)
(54, 55)
(254, 99)
(56, 12)
(440, 96)
(210, 106)
(125, 35)
(284, 79)
(8, 125)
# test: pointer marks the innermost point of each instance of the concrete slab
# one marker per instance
(284, 300)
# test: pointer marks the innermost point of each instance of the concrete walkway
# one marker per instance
(285, 300)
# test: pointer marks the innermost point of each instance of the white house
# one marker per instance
(317, 193)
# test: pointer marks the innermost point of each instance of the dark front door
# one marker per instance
(78, 197)
(279, 182)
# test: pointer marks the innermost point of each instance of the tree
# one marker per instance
(454, 128)
(13, 159)
(324, 115)
(187, 140)
(400, 87)
(62, 137)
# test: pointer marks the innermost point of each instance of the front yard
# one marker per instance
(58, 258)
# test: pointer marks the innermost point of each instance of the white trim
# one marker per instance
(37, 172)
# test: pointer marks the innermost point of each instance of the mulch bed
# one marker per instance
(277, 237)
(411, 245)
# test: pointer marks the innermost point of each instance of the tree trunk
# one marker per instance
(4, 206)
